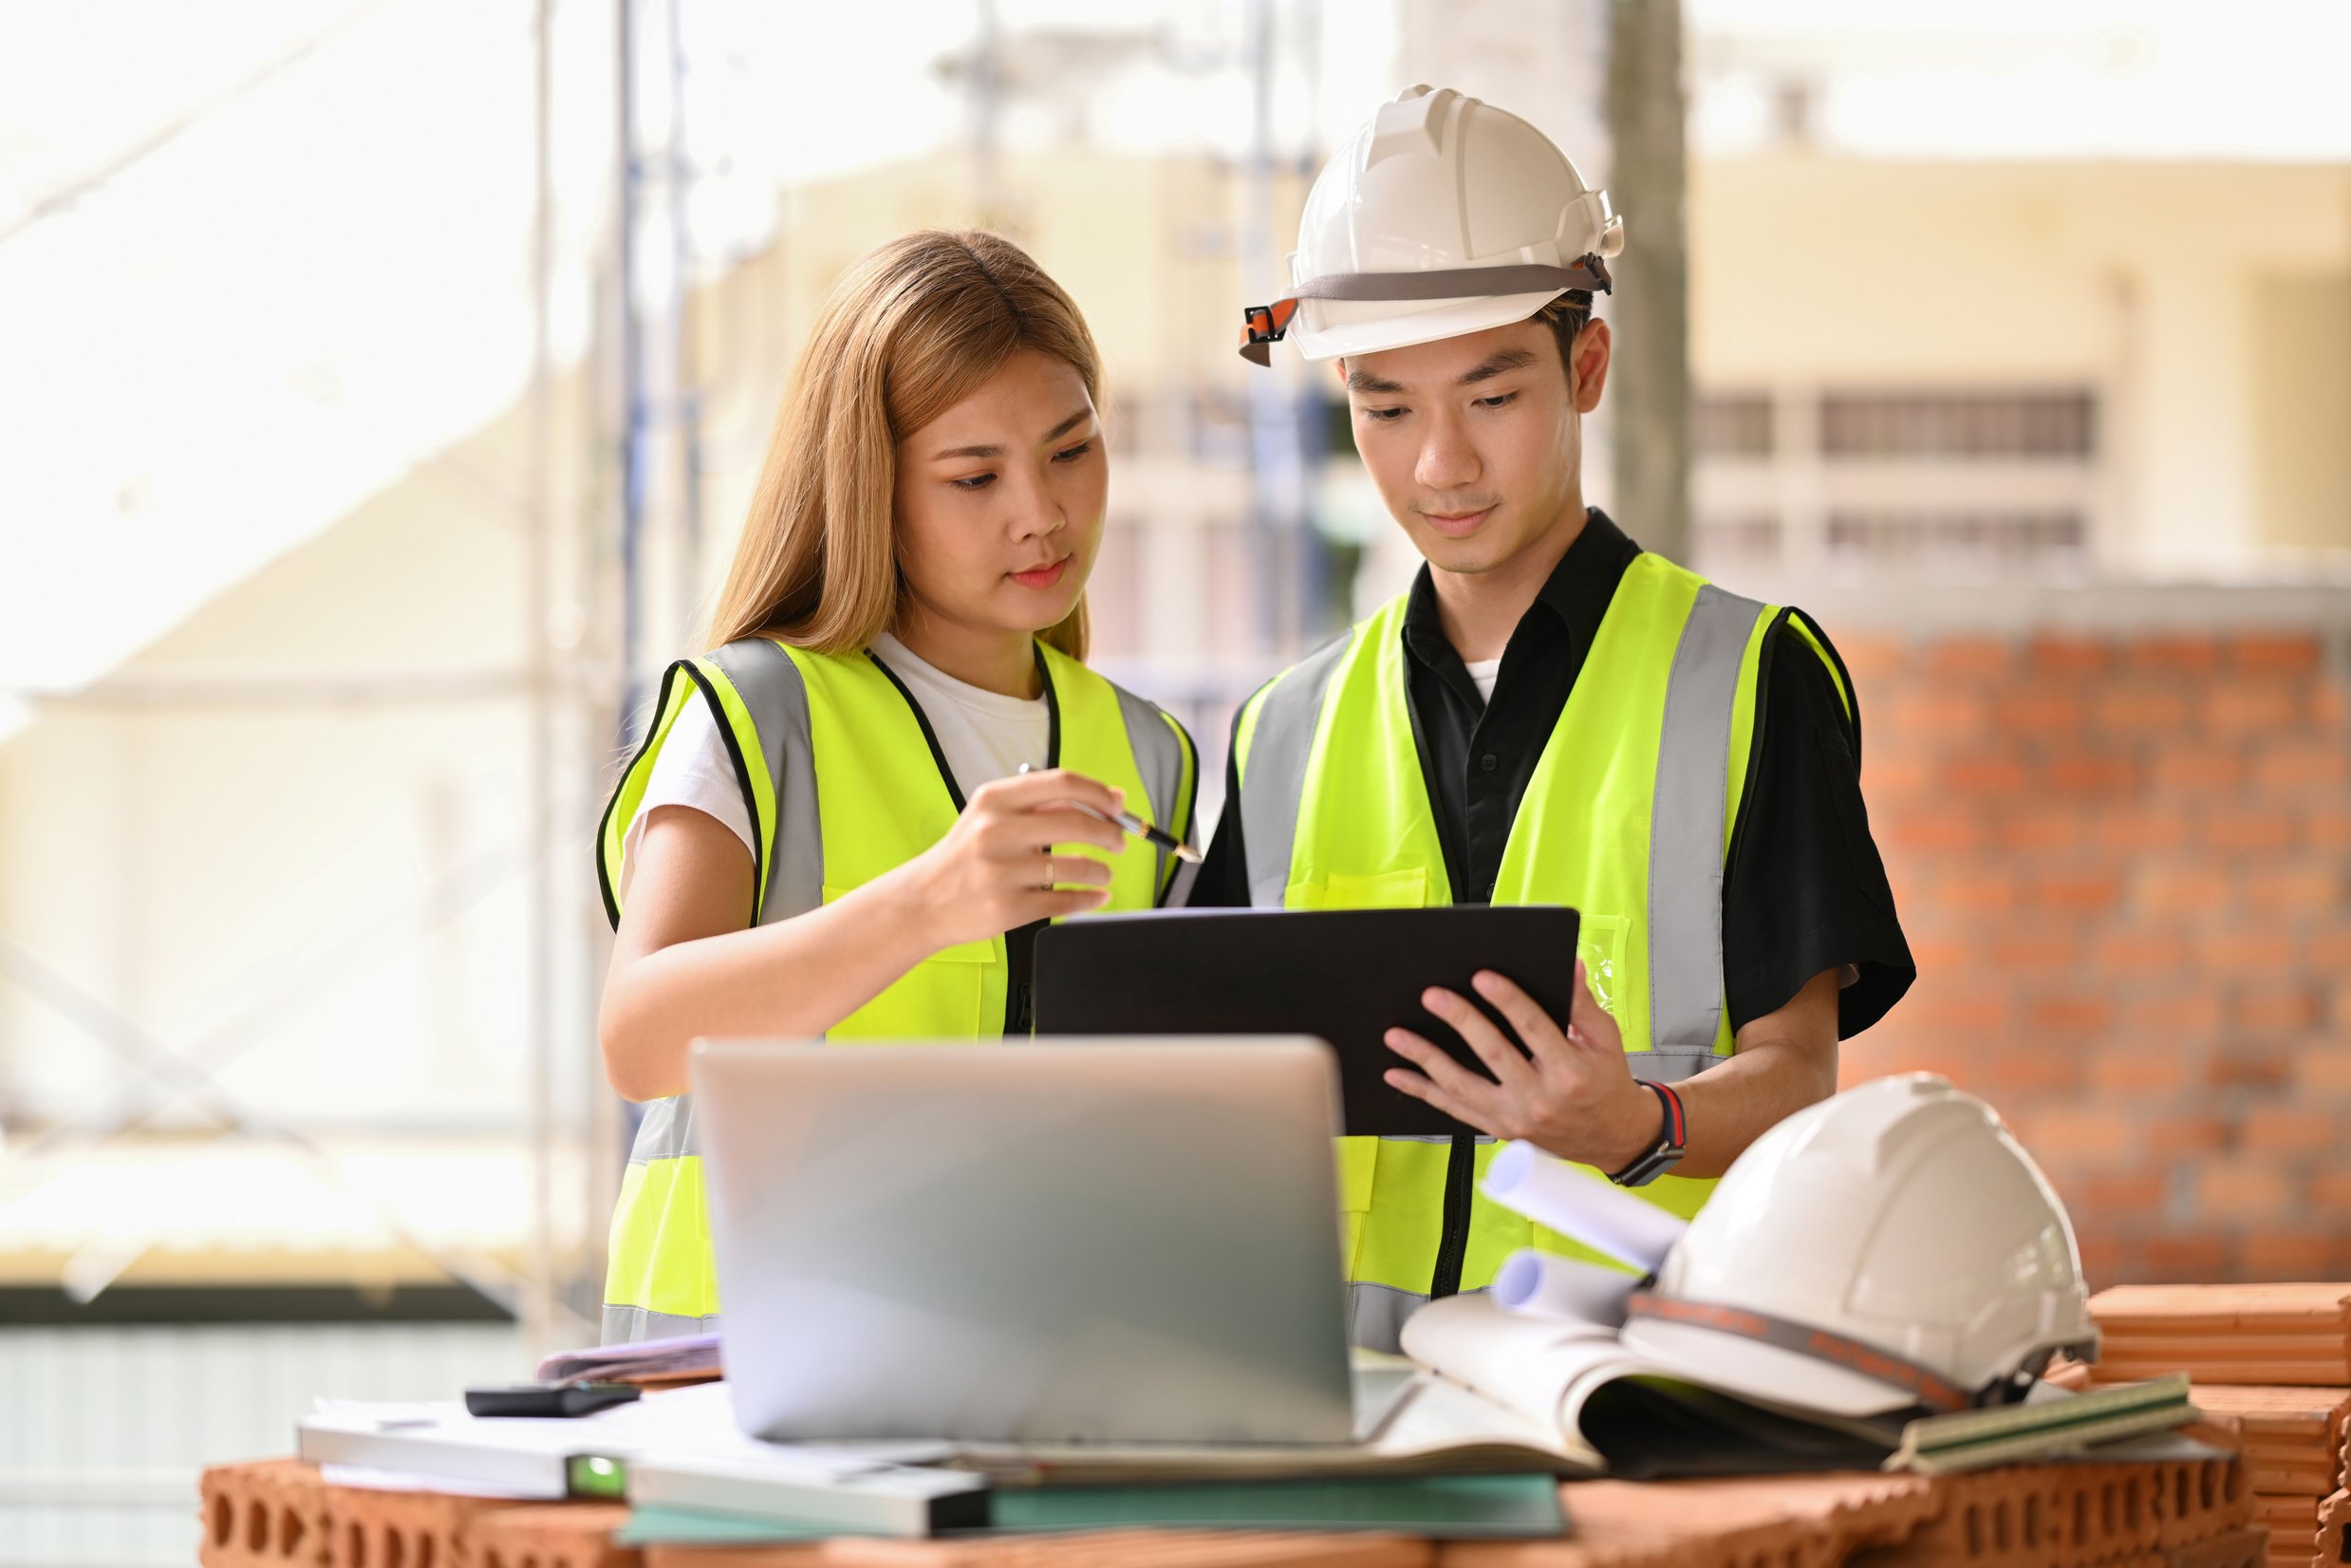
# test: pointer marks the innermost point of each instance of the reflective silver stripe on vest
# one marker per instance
(666, 1132)
(1159, 757)
(1375, 1315)
(1273, 784)
(1686, 837)
(775, 695)
(626, 1325)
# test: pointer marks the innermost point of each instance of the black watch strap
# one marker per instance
(1672, 1138)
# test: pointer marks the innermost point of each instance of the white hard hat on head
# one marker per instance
(1891, 1246)
(1443, 216)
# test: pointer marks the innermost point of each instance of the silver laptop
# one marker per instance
(1087, 1241)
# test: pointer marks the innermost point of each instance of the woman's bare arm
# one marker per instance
(687, 962)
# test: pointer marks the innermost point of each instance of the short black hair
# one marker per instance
(1566, 316)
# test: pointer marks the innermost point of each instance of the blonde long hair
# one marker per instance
(907, 333)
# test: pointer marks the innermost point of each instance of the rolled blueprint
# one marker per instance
(1543, 1284)
(1606, 1219)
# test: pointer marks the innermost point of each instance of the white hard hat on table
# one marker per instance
(1891, 1246)
(1444, 215)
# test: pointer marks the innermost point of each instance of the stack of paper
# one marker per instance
(647, 1363)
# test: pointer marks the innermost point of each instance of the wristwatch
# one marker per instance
(1672, 1138)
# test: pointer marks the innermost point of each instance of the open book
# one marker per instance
(1613, 1409)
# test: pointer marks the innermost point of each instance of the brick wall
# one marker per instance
(2124, 863)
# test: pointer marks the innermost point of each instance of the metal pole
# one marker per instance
(538, 564)
(1650, 381)
(1274, 480)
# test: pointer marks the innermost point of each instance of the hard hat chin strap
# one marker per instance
(1264, 325)
(1930, 1388)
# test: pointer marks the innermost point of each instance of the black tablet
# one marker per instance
(1346, 975)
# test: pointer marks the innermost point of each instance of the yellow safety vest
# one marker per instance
(843, 781)
(1628, 819)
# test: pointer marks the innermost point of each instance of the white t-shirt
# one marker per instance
(1482, 674)
(985, 736)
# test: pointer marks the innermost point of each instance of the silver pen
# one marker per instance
(1136, 826)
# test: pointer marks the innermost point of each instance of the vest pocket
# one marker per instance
(1407, 888)
(1600, 942)
(942, 997)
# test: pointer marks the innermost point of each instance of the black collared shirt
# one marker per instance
(1804, 890)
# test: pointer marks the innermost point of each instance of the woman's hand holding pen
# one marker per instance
(1008, 860)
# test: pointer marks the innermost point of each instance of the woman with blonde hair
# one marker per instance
(850, 818)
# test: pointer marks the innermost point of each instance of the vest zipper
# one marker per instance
(1461, 1175)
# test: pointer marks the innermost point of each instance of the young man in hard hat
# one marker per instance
(1549, 715)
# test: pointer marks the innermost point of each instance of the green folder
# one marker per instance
(1493, 1507)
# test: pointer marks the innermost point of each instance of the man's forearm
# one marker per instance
(1786, 1061)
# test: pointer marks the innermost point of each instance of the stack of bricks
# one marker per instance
(2123, 862)
(2179, 1514)
(2272, 1369)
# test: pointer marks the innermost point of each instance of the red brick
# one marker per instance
(1869, 655)
(2168, 1015)
(2325, 1071)
(2310, 767)
(1984, 774)
(2330, 705)
(2059, 654)
(2188, 1256)
(2285, 1255)
(2071, 1018)
(2307, 889)
(2099, 773)
(2181, 887)
(1969, 656)
(2033, 825)
(2290, 1129)
(2245, 1189)
(1988, 892)
(2083, 1130)
(2179, 655)
(2276, 1006)
(2036, 952)
(2079, 894)
(2141, 1068)
(2251, 707)
(1930, 831)
(2019, 1073)
(2168, 1136)
(2243, 1066)
(2327, 828)
(2248, 952)
(1888, 777)
(2199, 770)
(2136, 1192)
(2139, 953)
(2268, 653)
(2330, 1190)
(2248, 831)
(2037, 709)
(1941, 715)
(2139, 830)
(2140, 708)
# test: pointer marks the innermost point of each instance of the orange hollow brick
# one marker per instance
(270, 1514)
(373, 1529)
(559, 1535)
